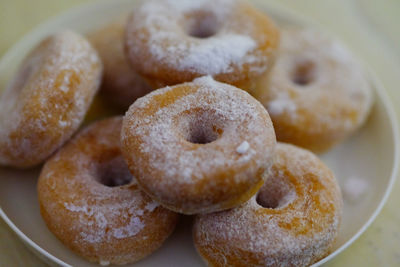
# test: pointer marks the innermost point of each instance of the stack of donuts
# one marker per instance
(207, 87)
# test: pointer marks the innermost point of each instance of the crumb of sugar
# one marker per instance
(355, 188)
(243, 148)
(104, 263)
(151, 206)
(280, 105)
(65, 86)
(62, 123)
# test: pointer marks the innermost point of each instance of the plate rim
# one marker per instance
(380, 91)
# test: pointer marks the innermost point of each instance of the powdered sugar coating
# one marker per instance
(298, 231)
(47, 100)
(317, 94)
(176, 41)
(180, 142)
(116, 223)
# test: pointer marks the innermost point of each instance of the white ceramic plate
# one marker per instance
(371, 155)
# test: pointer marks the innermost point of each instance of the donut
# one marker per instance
(91, 202)
(121, 85)
(292, 221)
(198, 147)
(47, 100)
(174, 41)
(316, 94)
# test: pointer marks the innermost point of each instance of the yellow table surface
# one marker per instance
(370, 28)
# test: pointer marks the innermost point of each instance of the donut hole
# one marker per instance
(201, 24)
(200, 126)
(303, 73)
(113, 172)
(276, 193)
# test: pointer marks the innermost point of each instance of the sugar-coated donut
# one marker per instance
(198, 147)
(121, 85)
(47, 100)
(316, 94)
(91, 202)
(293, 220)
(175, 41)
